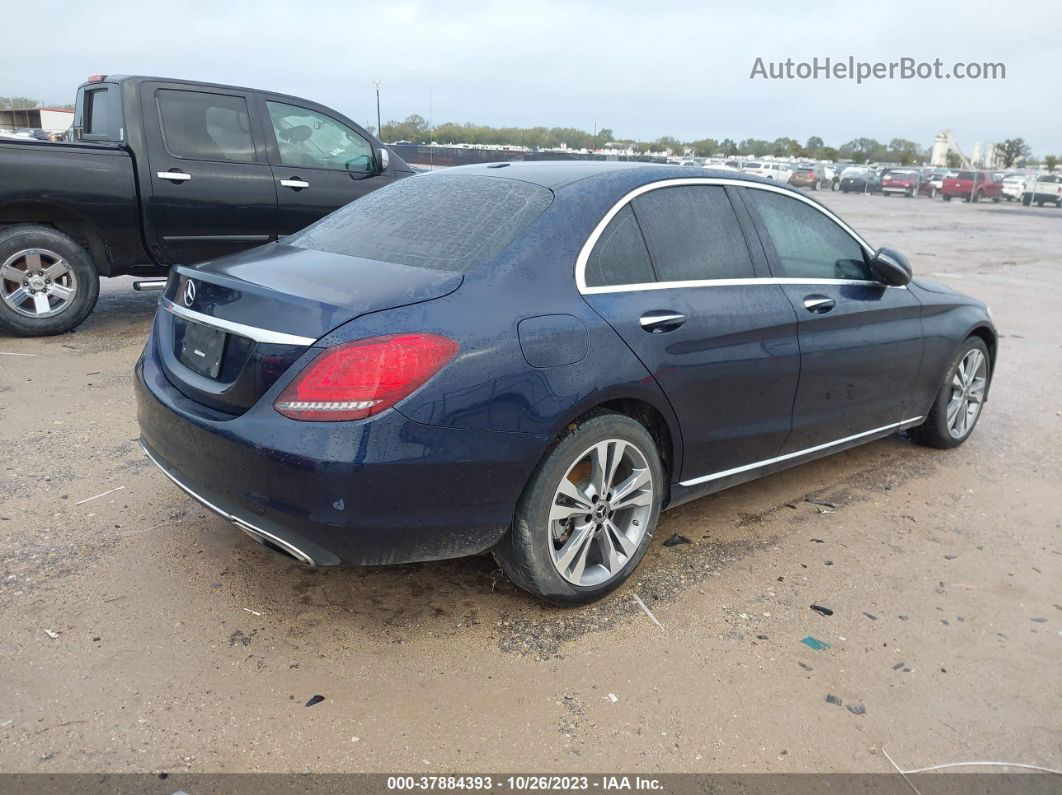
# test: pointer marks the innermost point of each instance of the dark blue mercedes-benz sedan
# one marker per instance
(535, 359)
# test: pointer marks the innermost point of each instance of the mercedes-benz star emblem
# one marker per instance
(189, 293)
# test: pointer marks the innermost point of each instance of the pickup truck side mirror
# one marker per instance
(891, 267)
(385, 158)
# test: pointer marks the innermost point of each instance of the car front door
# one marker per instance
(672, 273)
(209, 187)
(320, 162)
(860, 340)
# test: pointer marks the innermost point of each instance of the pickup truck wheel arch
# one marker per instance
(48, 282)
(65, 220)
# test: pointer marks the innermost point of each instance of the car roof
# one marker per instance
(557, 174)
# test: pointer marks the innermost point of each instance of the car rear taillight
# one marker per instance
(362, 378)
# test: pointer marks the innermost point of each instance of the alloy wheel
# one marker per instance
(967, 393)
(37, 283)
(600, 512)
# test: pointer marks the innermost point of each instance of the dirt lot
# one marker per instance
(180, 645)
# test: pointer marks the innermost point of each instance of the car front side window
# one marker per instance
(308, 139)
(807, 243)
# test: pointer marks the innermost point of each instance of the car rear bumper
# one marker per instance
(379, 491)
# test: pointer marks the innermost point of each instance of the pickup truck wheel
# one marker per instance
(48, 283)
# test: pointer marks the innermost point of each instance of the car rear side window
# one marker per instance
(202, 126)
(807, 243)
(440, 221)
(693, 234)
(620, 256)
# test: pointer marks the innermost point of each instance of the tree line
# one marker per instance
(416, 130)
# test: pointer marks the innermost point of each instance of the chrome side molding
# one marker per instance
(896, 426)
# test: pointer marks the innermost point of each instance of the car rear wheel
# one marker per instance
(48, 283)
(958, 404)
(815, 185)
(835, 185)
(588, 513)
(1026, 200)
(947, 198)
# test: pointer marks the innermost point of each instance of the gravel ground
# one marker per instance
(140, 633)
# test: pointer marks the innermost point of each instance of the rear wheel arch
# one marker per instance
(663, 429)
(62, 219)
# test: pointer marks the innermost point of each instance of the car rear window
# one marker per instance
(441, 221)
(965, 175)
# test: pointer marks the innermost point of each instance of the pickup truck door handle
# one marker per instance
(819, 304)
(659, 321)
(295, 183)
(174, 176)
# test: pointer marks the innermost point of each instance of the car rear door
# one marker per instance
(672, 273)
(860, 340)
(209, 187)
(320, 160)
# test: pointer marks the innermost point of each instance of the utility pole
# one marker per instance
(379, 126)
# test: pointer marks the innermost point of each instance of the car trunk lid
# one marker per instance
(228, 329)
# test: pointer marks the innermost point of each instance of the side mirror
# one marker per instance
(891, 267)
(385, 158)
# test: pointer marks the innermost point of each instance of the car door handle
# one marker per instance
(819, 304)
(174, 176)
(295, 182)
(660, 320)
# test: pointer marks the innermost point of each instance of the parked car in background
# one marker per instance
(860, 179)
(342, 397)
(832, 173)
(931, 182)
(902, 181)
(779, 172)
(809, 175)
(1045, 189)
(972, 186)
(1014, 186)
(165, 172)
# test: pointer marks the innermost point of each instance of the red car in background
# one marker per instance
(904, 181)
(972, 186)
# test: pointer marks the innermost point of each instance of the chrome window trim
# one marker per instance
(252, 332)
(896, 426)
(591, 241)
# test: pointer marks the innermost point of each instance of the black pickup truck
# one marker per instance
(163, 172)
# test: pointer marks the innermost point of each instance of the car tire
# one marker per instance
(951, 407)
(835, 185)
(1026, 200)
(946, 197)
(48, 283)
(815, 185)
(1058, 202)
(995, 200)
(539, 546)
(932, 193)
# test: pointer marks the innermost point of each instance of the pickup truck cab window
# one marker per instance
(308, 139)
(202, 126)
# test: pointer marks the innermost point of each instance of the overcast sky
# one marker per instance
(643, 69)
